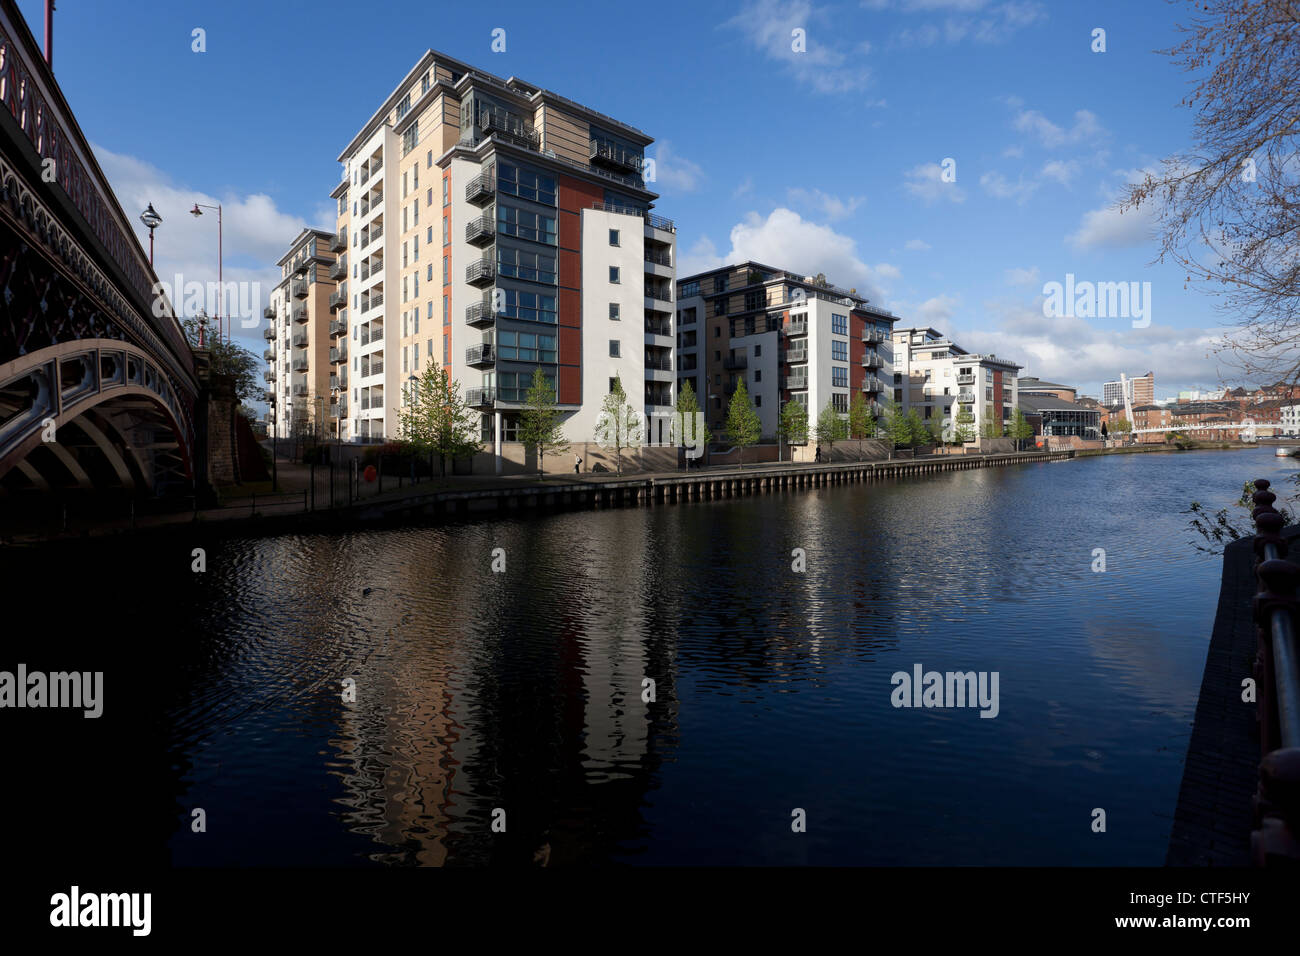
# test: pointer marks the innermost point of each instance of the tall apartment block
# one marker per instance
(790, 337)
(1140, 390)
(303, 388)
(942, 380)
(493, 228)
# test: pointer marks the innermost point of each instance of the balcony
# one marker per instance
(269, 375)
(480, 397)
(479, 314)
(343, 406)
(299, 288)
(375, 232)
(795, 382)
(340, 242)
(269, 313)
(269, 355)
(268, 334)
(965, 379)
(483, 187)
(338, 299)
(375, 301)
(659, 258)
(269, 397)
(480, 356)
(337, 328)
(872, 360)
(300, 364)
(872, 384)
(340, 268)
(300, 314)
(481, 231)
(797, 328)
(660, 364)
(339, 355)
(300, 340)
(733, 362)
(873, 336)
(299, 391)
(795, 356)
(343, 377)
(615, 157)
(376, 367)
(966, 398)
(481, 273)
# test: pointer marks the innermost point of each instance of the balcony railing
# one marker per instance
(482, 187)
(659, 258)
(339, 354)
(269, 375)
(339, 242)
(733, 362)
(340, 268)
(654, 327)
(269, 397)
(797, 328)
(661, 364)
(872, 360)
(480, 273)
(479, 314)
(375, 300)
(872, 384)
(337, 328)
(965, 379)
(268, 334)
(300, 364)
(659, 222)
(299, 391)
(966, 398)
(480, 231)
(300, 314)
(269, 313)
(479, 356)
(338, 299)
(873, 336)
(376, 367)
(615, 156)
(300, 340)
(796, 381)
(795, 356)
(478, 397)
(299, 288)
(370, 235)
(269, 355)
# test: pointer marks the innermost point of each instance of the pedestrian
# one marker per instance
(577, 464)
(819, 454)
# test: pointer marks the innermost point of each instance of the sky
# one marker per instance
(946, 158)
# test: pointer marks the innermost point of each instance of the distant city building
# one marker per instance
(1290, 415)
(788, 337)
(1139, 391)
(945, 382)
(1053, 416)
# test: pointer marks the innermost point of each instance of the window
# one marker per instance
(614, 348)
(404, 106)
(531, 306)
(513, 387)
(758, 400)
(446, 270)
(613, 237)
(525, 224)
(405, 360)
(898, 396)
(720, 283)
(839, 324)
(410, 137)
(613, 273)
(521, 264)
(758, 375)
(929, 412)
(424, 83)
(688, 289)
(428, 272)
(428, 196)
(415, 321)
(719, 306)
(526, 347)
(839, 351)
(525, 183)
(839, 376)
(446, 191)
(840, 401)
(613, 311)
(428, 160)
(758, 352)
(446, 311)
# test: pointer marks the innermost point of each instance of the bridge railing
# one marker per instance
(1276, 836)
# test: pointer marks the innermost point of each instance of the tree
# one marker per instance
(1020, 428)
(860, 424)
(688, 423)
(541, 424)
(619, 425)
(992, 429)
(1122, 425)
(965, 427)
(437, 420)
(743, 424)
(917, 432)
(793, 423)
(1226, 211)
(831, 427)
(897, 431)
(228, 359)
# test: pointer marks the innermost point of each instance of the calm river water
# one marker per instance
(518, 696)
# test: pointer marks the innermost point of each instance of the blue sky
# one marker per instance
(825, 159)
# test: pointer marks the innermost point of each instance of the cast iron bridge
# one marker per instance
(98, 387)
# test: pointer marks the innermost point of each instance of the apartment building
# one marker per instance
(789, 337)
(946, 383)
(302, 393)
(493, 227)
(1139, 391)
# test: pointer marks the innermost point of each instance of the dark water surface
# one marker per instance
(522, 690)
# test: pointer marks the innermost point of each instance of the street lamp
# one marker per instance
(196, 212)
(202, 319)
(151, 221)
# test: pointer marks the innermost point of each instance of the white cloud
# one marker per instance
(769, 27)
(998, 186)
(255, 233)
(916, 245)
(1108, 227)
(977, 20)
(1086, 128)
(743, 188)
(786, 240)
(926, 183)
(1021, 276)
(700, 257)
(1013, 152)
(1063, 171)
(675, 173)
(832, 207)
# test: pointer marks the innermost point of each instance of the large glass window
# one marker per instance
(525, 224)
(839, 376)
(520, 264)
(839, 351)
(513, 386)
(526, 347)
(839, 324)
(525, 183)
(529, 305)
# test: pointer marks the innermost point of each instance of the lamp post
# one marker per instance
(202, 319)
(196, 212)
(151, 221)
